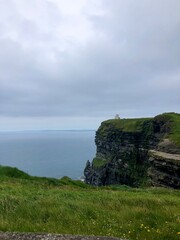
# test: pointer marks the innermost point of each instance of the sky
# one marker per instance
(70, 64)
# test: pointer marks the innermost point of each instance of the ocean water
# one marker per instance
(48, 153)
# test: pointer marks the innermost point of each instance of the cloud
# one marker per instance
(89, 59)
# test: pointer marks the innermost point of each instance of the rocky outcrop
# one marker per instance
(120, 158)
(164, 169)
(123, 153)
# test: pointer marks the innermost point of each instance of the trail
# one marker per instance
(47, 236)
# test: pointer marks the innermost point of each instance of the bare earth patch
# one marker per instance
(43, 236)
(166, 155)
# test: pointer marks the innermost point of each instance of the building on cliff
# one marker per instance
(117, 117)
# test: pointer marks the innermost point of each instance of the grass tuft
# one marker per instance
(99, 162)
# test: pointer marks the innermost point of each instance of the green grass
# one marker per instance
(65, 206)
(13, 172)
(126, 125)
(99, 162)
(175, 131)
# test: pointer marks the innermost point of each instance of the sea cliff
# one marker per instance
(136, 152)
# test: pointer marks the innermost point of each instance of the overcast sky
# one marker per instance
(70, 64)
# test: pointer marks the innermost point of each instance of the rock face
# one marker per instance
(164, 169)
(123, 153)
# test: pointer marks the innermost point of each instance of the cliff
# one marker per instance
(164, 169)
(125, 152)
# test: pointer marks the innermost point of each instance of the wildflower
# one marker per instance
(148, 230)
(178, 233)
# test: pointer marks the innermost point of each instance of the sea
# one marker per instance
(48, 153)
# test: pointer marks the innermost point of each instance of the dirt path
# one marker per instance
(166, 155)
(41, 236)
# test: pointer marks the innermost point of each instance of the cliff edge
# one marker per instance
(136, 152)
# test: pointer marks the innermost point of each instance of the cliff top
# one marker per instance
(125, 125)
(166, 123)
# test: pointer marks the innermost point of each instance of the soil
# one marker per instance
(166, 155)
(43, 236)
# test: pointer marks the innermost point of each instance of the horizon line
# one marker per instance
(46, 130)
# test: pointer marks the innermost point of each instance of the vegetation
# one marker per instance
(13, 172)
(174, 119)
(32, 204)
(126, 125)
(99, 162)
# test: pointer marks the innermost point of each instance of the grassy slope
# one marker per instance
(71, 207)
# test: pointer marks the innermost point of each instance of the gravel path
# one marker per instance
(42, 236)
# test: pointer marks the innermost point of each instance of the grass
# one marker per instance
(99, 162)
(175, 131)
(13, 172)
(126, 125)
(65, 206)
